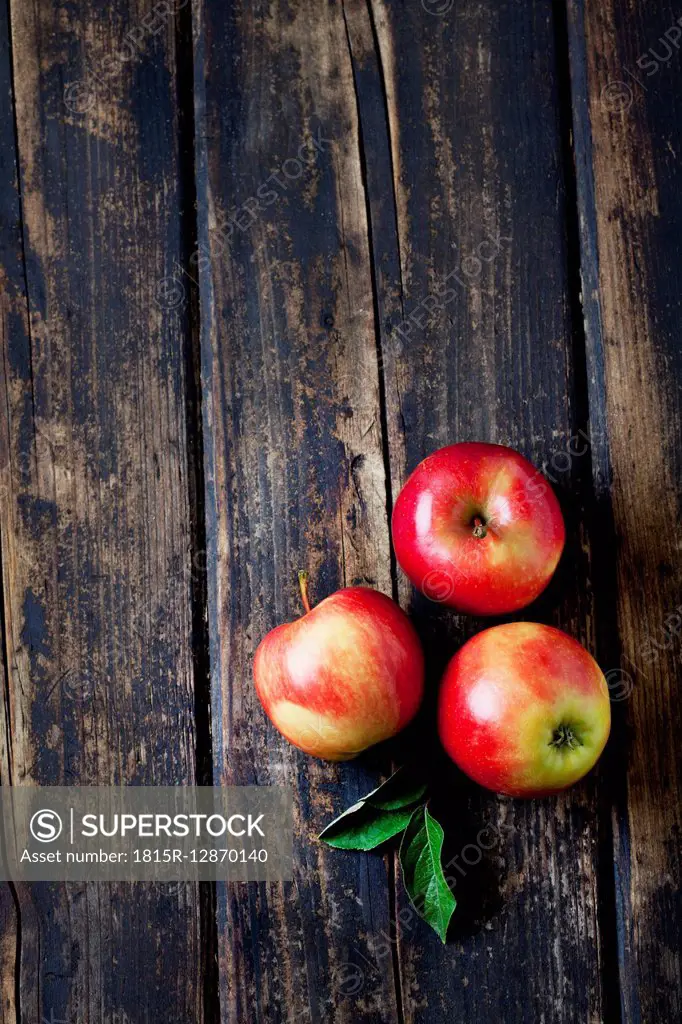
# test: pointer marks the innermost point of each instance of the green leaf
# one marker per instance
(366, 828)
(379, 816)
(402, 789)
(420, 857)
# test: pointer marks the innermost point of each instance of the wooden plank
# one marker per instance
(8, 910)
(294, 469)
(10, 268)
(476, 159)
(8, 956)
(96, 458)
(8, 205)
(627, 95)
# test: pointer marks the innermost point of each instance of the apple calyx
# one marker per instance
(565, 736)
(480, 528)
(303, 584)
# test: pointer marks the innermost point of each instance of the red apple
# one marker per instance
(345, 676)
(524, 709)
(476, 526)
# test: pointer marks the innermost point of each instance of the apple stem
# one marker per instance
(480, 529)
(565, 736)
(303, 584)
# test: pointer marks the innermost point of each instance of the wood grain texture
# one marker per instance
(476, 157)
(11, 276)
(95, 461)
(294, 469)
(8, 956)
(9, 919)
(387, 262)
(625, 65)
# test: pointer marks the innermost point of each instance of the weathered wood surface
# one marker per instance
(482, 207)
(97, 538)
(627, 99)
(415, 102)
(8, 912)
(294, 468)
(8, 243)
(348, 157)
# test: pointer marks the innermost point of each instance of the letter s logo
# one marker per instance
(46, 826)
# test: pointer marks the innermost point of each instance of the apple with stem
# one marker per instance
(524, 709)
(477, 527)
(346, 675)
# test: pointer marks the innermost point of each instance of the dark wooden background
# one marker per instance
(222, 228)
